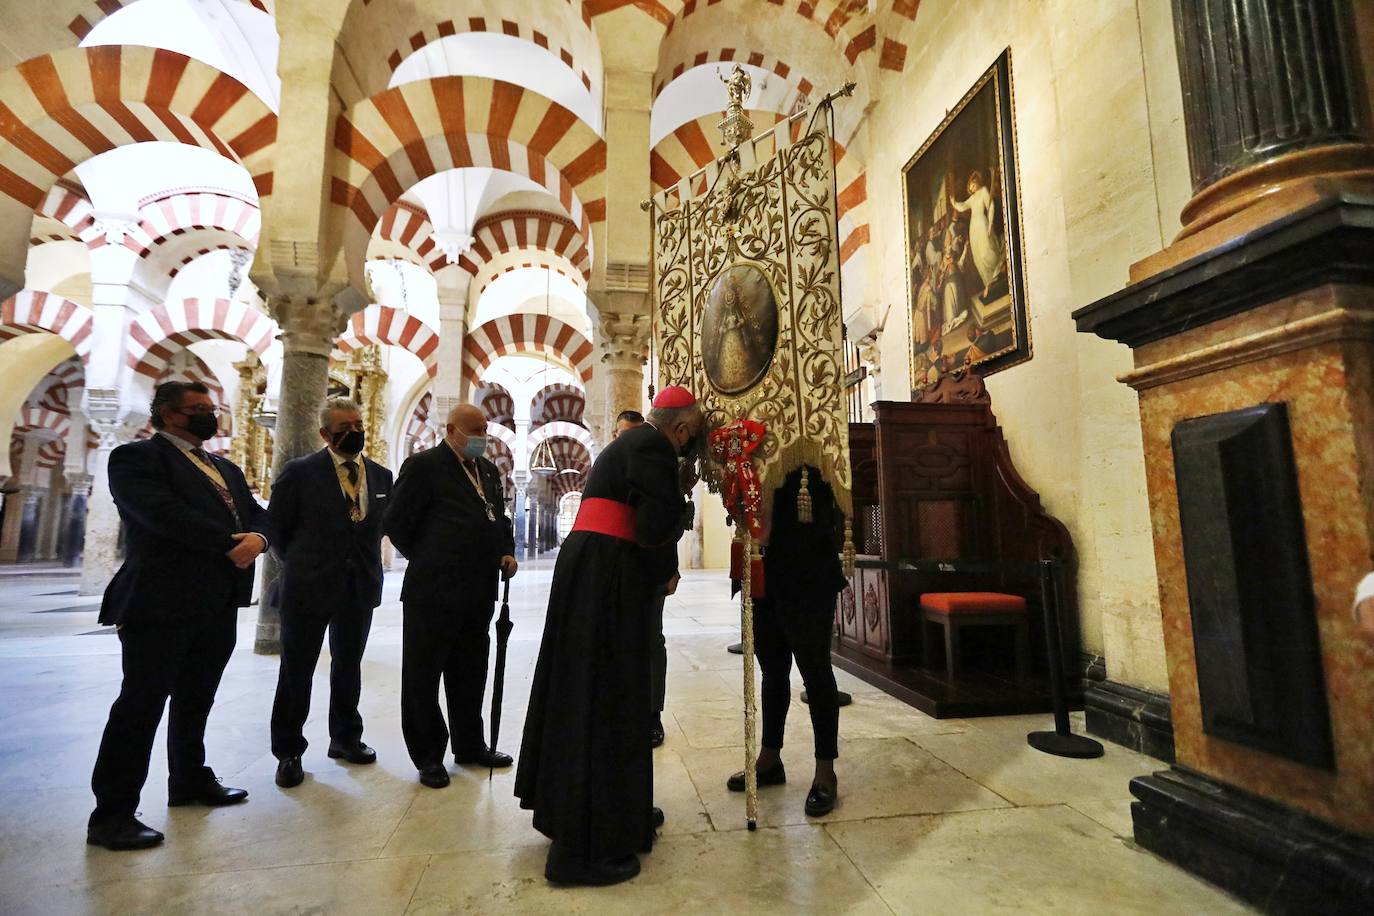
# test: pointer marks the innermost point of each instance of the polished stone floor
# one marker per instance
(935, 817)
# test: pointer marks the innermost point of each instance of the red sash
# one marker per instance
(606, 516)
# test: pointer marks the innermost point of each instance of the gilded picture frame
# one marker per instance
(965, 266)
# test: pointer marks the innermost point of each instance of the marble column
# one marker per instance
(449, 385)
(624, 339)
(100, 551)
(308, 330)
(50, 512)
(1250, 337)
(1273, 98)
(29, 524)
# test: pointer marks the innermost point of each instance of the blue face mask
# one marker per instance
(475, 447)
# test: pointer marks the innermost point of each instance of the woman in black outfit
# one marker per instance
(795, 619)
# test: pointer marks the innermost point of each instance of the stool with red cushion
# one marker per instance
(953, 610)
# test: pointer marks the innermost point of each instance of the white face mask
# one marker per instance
(475, 447)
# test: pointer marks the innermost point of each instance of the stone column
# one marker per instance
(522, 482)
(74, 520)
(1250, 337)
(1273, 99)
(308, 330)
(624, 341)
(29, 524)
(100, 552)
(51, 509)
(12, 524)
(449, 386)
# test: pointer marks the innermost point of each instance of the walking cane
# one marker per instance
(498, 682)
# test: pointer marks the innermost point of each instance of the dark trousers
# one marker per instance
(781, 633)
(658, 656)
(449, 641)
(302, 635)
(182, 660)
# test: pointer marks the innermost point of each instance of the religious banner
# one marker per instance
(747, 269)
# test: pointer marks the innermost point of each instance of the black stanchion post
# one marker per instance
(1061, 742)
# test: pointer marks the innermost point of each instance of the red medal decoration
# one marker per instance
(733, 447)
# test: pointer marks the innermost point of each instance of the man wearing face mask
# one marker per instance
(192, 533)
(585, 769)
(327, 511)
(448, 517)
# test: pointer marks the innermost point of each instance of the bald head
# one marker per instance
(463, 421)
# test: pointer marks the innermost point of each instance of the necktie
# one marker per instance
(224, 494)
(355, 508)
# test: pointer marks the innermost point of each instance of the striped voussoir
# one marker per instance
(163, 330)
(382, 324)
(388, 143)
(32, 312)
(524, 333)
(559, 401)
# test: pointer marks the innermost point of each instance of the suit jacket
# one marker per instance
(331, 562)
(440, 524)
(177, 534)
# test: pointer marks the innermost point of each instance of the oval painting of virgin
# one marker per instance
(740, 329)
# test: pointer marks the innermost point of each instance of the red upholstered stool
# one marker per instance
(953, 610)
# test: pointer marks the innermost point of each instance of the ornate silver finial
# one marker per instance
(736, 128)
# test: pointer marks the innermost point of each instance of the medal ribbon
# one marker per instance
(733, 447)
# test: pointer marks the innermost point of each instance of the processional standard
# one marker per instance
(747, 278)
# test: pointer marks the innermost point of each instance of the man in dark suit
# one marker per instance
(327, 511)
(448, 518)
(193, 531)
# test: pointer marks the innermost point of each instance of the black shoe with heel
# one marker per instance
(820, 801)
(773, 776)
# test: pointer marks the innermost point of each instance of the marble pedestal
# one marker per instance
(1272, 723)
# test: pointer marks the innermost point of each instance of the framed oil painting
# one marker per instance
(964, 278)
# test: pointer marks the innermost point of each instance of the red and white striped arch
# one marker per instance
(514, 334)
(97, 10)
(494, 22)
(69, 207)
(499, 453)
(695, 145)
(562, 429)
(63, 108)
(847, 22)
(34, 418)
(378, 35)
(161, 331)
(498, 405)
(174, 215)
(34, 312)
(533, 231)
(58, 389)
(382, 324)
(408, 227)
(558, 402)
(419, 433)
(390, 142)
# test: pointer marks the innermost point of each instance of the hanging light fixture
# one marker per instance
(542, 461)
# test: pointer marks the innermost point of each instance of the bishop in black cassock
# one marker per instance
(586, 770)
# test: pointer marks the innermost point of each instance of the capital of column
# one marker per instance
(870, 351)
(80, 484)
(624, 340)
(308, 325)
(103, 409)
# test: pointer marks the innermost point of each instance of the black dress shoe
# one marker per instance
(820, 801)
(353, 753)
(484, 757)
(566, 869)
(210, 793)
(289, 772)
(127, 833)
(434, 776)
(656, 817)
(774, 776)
(656, 734)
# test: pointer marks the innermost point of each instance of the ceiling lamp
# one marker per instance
(541, 462)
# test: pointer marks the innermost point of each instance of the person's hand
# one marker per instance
(671, 587)
(249, 545)
(508, 567)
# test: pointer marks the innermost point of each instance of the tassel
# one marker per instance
(804, 513)
(848, 556)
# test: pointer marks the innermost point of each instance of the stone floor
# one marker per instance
(935, 817)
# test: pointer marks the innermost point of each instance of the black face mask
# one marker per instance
(350, 442)
(202, 425)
